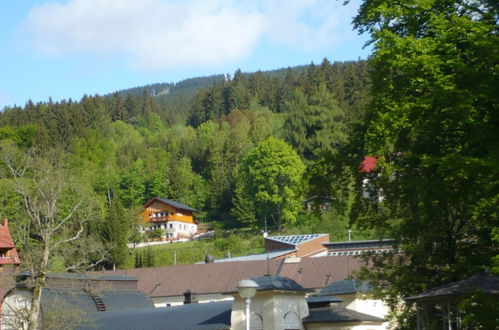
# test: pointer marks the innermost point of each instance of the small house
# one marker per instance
(319, 203)
(174, 218)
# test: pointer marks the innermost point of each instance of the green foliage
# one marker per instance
(270, 178)
(132, 145)
(117, 232)
(235, 244)
(315, 126)
(480, 311)
(433, 126)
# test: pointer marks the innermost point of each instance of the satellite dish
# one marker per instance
(265, 234)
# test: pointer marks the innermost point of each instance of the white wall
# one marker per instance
(179, 300)
(15, 307)
(273, 307)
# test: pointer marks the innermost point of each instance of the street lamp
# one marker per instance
(247, 290)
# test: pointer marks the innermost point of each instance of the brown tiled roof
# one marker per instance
(8, 253)
(6, 241)
(311, 273)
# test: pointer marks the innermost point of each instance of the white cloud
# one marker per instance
(161, 34)
(310, 25)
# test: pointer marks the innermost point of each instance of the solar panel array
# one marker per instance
(295, 239)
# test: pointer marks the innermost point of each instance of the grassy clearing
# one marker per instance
(222, 246)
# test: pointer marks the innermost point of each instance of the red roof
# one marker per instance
(6, 241)
(8, 253)
(368, 164)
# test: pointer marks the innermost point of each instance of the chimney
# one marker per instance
(5, 222)
(190, 297)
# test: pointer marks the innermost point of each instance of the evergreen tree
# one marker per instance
(117, 231)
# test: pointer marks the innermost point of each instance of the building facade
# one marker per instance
(175, 219)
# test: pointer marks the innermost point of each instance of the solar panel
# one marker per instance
(296, 239)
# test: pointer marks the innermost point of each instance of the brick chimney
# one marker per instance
(5, 222)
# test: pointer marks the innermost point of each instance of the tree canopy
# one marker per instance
(270, 181)
(432, 124)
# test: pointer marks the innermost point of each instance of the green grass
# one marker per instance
(195, 251)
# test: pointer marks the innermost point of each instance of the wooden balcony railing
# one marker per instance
(183, 218)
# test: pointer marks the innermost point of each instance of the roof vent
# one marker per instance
(292, 260)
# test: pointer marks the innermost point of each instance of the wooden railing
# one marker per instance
(183, 218)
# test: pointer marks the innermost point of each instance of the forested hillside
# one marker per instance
(248, 149)
(187, 142)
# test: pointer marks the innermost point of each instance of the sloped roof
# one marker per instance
(223, 277)
(52, 300)
(266, 283)
(261, 256)
(334, 314)
(368, 164)
(209, 316)
(326, 198)
(6, 241)
(315, 301)
(344, 287)
(485, 282)
(295, 239)
(173, 203)
(364, 244)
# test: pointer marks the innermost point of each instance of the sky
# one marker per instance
(63, 49)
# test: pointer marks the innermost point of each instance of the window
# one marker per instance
(256, 321)
(171, 225)
(292, 321)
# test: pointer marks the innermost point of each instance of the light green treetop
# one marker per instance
(270, 178)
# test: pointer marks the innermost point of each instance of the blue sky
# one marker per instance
(67, 48)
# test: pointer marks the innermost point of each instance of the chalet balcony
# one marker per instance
(6, 260)
(182, 218)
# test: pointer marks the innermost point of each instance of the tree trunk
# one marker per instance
(37, 289)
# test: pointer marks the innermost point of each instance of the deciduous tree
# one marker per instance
(433, 125)
(57, 205)
(270, 179)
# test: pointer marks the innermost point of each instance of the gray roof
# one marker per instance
(295, 239)
(344, 287)
(173, 203)
(77, 276)
(485, 282)
(366, 244)
(262, 256)
(315, 301)
(209, 316)
(327, 198)
(52, 299)
(319, 299)
(338, 314)
(278, 283)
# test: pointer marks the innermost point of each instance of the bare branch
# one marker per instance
(75, 237)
